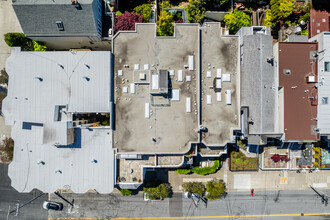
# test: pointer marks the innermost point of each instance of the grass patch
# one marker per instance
(238, 161)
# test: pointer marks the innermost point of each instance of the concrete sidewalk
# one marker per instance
(8, 23)
(261, 180)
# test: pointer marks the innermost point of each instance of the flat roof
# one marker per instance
(259, 83)
(147, 123)
(296, 64)
(41, 83)
(220, 64)
(323, 109)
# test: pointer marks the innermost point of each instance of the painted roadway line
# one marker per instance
(200, 217)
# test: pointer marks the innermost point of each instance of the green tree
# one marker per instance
(194, 187)
(164, 4)
(215, 189)
(26, 44)
(279, 10)
(144, 10)
(126, 192)
(196, 11)
(159, 192)
(164, 24)
(237, 19)
(18, 40)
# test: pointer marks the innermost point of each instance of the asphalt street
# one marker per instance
(237, 205)
(9, 197)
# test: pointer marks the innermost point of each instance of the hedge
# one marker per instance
(207, 170)
(201, 170)
(183, 171)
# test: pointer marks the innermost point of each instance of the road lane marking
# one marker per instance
(197, 217)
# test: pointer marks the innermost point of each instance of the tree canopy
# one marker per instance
(196, 11)
(165, 24)
(144, 10)
(159, 192)
(215, 189)
(237, 19)
(26, 44)
(194, 187)
(127, 21)
(279, 10)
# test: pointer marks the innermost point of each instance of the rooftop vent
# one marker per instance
(60, 26)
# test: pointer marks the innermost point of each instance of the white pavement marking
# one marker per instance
(320, 185)
(242, 181)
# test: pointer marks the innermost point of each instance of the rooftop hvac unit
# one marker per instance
(311, 79)
(228, 97)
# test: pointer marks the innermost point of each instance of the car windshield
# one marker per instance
(52, 206)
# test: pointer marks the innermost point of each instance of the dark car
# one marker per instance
(57, 206)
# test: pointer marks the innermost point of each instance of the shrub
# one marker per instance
(183, 171)
(17, 40)
(196, 11)
(164, 24)
(207, 170)
(126, 192)
(118, 13)
(7, 147)
(215, 189)
(237, 19)
(38, 46)
(144, 10)
(317, 150)
(197, 188)
(276, 158)
(316, 164)
(127, 21)
(26, 44)
(3, 77)
(159, 192)
(164, 4)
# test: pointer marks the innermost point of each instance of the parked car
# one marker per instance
(48, 205)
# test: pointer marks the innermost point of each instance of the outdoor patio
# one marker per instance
(130, 171)
(325, 157)
(268, 162)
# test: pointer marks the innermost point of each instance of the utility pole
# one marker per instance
(21, 206)
(59, 195)
(323, 196)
